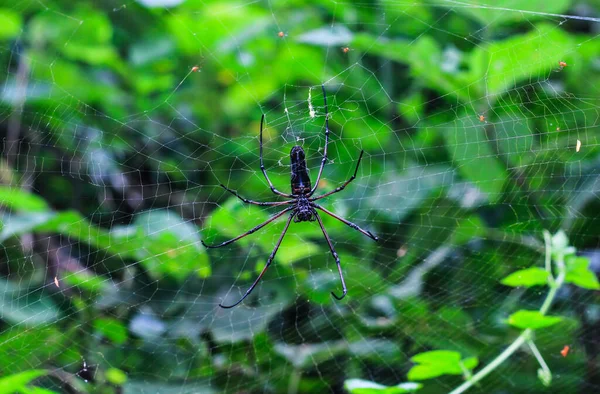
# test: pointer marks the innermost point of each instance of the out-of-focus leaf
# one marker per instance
(520, 58)
(10, 24)
(112, 329)
(376, 350)
(159, 387)
(21, 345)
(160, 3)
(19, 199)
(473, 156)
(244, 322)
(396, 49)
(116, 376)
(327, 36)
(468, 229)
(413, 186)
(170, 245)
(310, 354)
(17, 224)
(514, 137)
(532, 319)
(152, 50)
(85, 280)
(439, 362)
(429, 64)
(147, 326)
(360, 386)
(529, 277)
(37, 390)
(579, 274)
(28, 308)
(91, 43)
(511, 11)
(15, 383)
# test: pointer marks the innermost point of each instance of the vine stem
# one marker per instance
(525, 335)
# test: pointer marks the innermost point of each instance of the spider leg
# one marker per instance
(335, 256)
(324, 160)
(340, 188)
(269, 261)
(262, 166)
(252, 230)
(255, 202)
(346, 222)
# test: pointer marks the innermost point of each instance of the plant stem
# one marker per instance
(494, 364)
(525, 335)
(539, 357)
(294, 381)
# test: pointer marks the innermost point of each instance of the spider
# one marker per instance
(302, 206)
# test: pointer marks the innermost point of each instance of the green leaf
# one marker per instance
(514, 136)
(532, 319)
(528, 57)
(327, 36)
(116, 376)
(149, 386)
(169, 245)
(426, 61)
(44, 344)
(21, 200)
(37, 390)
(10, 24)
(511, 11)
(17, 224)
(470, 363)
(439, 362)
(305, 355)
(442, 357)
(91, 43)
(391, 49)
(360, 386)
(28, 308)
(579, 274)
(17, 382)
(85, 280)
(112, 329)
(529, 277)
(473, 156)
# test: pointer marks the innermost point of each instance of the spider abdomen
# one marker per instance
(300, 179)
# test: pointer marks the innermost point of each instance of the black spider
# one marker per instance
(302, 206)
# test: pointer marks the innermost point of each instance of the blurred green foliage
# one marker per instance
(119, 121)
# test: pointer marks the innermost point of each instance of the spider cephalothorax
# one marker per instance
(304, 210)
(302, 206)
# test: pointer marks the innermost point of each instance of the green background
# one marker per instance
(119, 121)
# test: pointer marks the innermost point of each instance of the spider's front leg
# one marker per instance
(346, 222)
(343, 186)
(263, 204)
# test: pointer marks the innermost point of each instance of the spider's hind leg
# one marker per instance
(335, 256)
(269, 261)
(251, 231)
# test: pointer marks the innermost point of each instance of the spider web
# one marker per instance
(479, 124)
